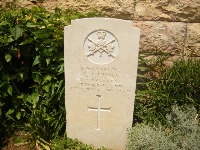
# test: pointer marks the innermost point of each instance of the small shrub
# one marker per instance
(182, 83)
(32, 70)
(147, 137)
(177, 85)
(66, 143)
(185, 129)
(183, 133)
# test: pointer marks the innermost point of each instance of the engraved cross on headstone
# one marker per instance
(98, 110)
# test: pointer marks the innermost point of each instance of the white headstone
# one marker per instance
(101, 57)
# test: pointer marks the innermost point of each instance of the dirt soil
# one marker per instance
(11, 146)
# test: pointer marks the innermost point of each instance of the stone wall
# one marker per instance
(171, 26)
(167, 26)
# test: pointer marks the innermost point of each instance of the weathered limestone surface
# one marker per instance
(100, 58)
(166, 30)
(192, 46)
(162, 37)
(168, 10)
(154, 10)
(110, 8)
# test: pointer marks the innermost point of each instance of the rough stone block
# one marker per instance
(167, 10)
(112, 8)
(162, 37)
(192, 45)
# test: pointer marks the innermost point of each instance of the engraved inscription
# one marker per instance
(101, 47)
(96, 79)
(98, 110)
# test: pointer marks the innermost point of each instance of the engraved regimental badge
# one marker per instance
(101, 47)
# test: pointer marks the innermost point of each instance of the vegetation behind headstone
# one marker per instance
(32, 71)
(175, 85)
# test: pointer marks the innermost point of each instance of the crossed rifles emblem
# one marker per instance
(101, 45)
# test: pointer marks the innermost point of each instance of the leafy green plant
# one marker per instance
(32, 70)
(150, 69)
(183, 133)
(178, 84)
(182, 82)
(67, 143)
